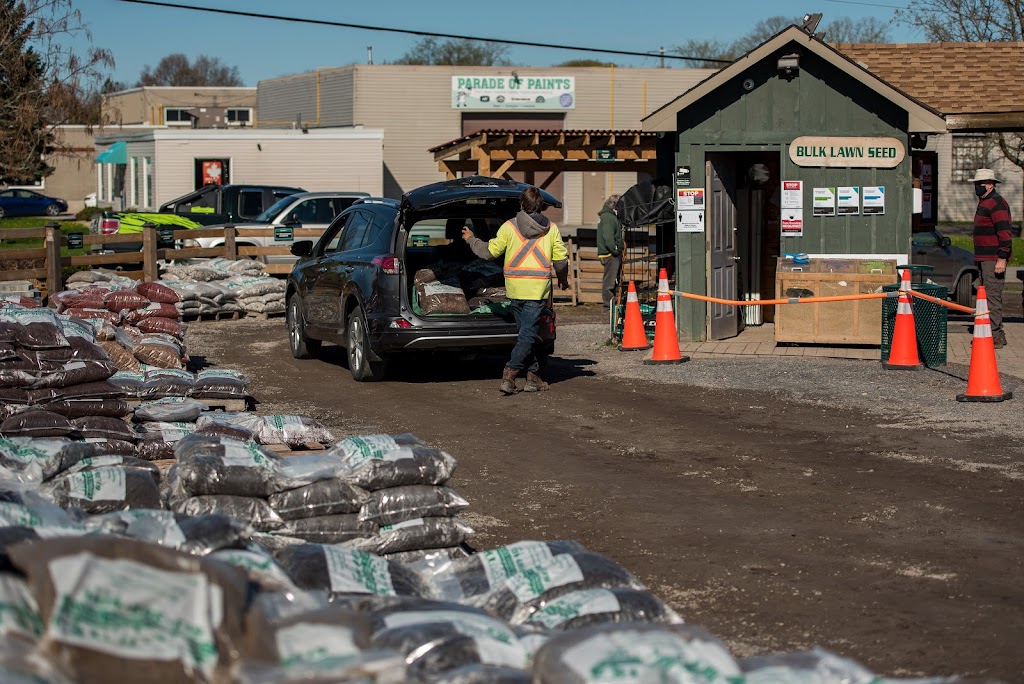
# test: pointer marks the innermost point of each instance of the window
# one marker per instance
(148, 180)
(177, 116)
(137, 182)
(970, 153)
(332, 236)
(250, 203)
(356, 232)
(238, 116)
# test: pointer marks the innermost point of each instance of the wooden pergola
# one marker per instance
(497, 153)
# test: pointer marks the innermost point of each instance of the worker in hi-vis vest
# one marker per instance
(532, 246)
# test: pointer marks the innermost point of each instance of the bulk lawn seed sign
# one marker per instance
(866, 153)
(513, 92)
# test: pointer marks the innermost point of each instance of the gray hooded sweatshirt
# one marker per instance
(530, 226)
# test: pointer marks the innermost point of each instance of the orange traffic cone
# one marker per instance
(903, 354)
(666, 341)
(983, 379)
(633, 336)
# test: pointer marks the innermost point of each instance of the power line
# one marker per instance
(866, 4)
(426, 34)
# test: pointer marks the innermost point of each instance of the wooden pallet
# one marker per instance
(216, 316)
(261, 316)
(288, 450)
(229, 405)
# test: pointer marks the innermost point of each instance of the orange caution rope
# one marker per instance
(943, 302)
(789, 300)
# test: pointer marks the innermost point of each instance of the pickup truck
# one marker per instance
(207, 206)
(302, 210)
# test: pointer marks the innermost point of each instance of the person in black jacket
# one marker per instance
(609, 248)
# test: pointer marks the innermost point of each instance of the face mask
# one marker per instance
(980, 190)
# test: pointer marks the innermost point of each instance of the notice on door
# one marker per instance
(874, 200)
(849, 201)
(824, 202)
(792, 194)
(792, 222)
(690, 221)
(690, 198)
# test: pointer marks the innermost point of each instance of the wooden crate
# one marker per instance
(852, 322)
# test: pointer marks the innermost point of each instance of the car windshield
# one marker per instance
(268, 214)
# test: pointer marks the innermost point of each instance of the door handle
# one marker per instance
(735, 258)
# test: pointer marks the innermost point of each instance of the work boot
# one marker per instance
(508, 381)
(534, 383)
(999, 339)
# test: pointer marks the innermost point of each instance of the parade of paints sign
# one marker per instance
(513, 92)
(865, 153)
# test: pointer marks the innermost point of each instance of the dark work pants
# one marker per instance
(610, 279)
(993, 283)
(529, 349)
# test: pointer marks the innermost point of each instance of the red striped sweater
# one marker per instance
(992, 239)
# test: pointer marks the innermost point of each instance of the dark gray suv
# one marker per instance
(360, 285)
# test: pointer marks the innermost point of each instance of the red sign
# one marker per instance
(213, 172)
(791, 185)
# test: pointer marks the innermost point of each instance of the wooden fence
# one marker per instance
(142, 264)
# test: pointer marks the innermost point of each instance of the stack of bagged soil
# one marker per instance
(456, 288)
(223, 285)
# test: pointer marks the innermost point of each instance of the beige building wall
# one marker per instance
(145, 105)
(74, 167)
(413, 106)
(957, 201)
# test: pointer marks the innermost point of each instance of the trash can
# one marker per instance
(930, 320)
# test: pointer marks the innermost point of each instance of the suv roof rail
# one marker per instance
(377, 200)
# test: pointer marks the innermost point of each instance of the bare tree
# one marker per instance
(456, 52)
(965, 20)
(177, 70)
(42, 81)
(867, 30)
(712, 50)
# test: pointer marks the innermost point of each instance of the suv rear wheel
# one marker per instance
(301, 346)
(363, 369)
(964, 289)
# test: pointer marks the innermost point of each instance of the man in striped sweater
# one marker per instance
(992, 246)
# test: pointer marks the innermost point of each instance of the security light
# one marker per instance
(788, 64)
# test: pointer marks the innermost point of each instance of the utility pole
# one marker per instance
(662, 51)
(369, 54)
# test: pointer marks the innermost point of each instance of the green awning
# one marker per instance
(115, 154)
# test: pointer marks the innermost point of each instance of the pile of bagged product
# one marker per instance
(228, 562)
(457, 288)
(219, 285)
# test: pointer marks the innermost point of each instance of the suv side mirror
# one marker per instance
(944, 242)
(302, 248)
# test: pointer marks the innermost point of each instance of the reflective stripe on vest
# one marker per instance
(514, 267)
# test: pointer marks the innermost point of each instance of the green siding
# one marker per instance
(820, 101)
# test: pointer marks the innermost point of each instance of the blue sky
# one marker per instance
(139, 35)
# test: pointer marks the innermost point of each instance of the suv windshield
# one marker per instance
(268, 214)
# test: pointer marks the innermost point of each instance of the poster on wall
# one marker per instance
(792, 194)
(212, 172)
(926, 177)
(690, 198)
(513, 92)
(849, 201)
(926, 206)
(690, 221)
(824, 202)
(874, 200)
(792, 222)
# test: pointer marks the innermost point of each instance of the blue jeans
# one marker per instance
(529, 348)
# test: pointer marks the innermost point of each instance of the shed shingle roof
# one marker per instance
(946, 76)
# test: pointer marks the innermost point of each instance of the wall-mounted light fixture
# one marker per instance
(789, 64)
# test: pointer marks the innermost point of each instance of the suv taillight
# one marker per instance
(109, 226)
(389, 264)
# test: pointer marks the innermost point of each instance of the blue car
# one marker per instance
(29, 203)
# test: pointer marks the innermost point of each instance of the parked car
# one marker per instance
(302, 210)
(30, 203)
(355, 285)
(953, 266)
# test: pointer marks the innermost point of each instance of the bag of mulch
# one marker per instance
(323, 498)
(129, 382)
(75, 299)
(420, 533)
(347, 571)
(438, 298)
(602, 606)
(254, 286)
(124, 300)
(113, 447)
(379, 461)
(481, 273)
(247, 509)
(153, 447)
(51, 456)
(654, 653)
(429, 561)
(153, 310)
(73, 372)
(100, 389)
(328, 529)
(19, 614)
(219, 465)
(259, 566)
(76, 328)
(83, 349)
(36, 329)
(220, 384)
(167, 326)
(36, 423)
(814, 665)
(86, 277)
(103, 460)
(111, 317)
(395, 504)
(129, 611)
(522, 594)
(79, 408)
(291, 430)
(168, 432)
(439, 638)
(123, 358)
(105, 489)
(483, 572)
(170, 410)
(155, 292)
(159, 351)
(167, 382)
(236, 432)
(104, 427)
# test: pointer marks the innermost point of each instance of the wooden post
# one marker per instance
(230, 250)
(54, 272)
(150, 270)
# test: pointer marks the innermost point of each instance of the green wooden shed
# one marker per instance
(791, 149)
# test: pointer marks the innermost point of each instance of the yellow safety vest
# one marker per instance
(527, 262)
